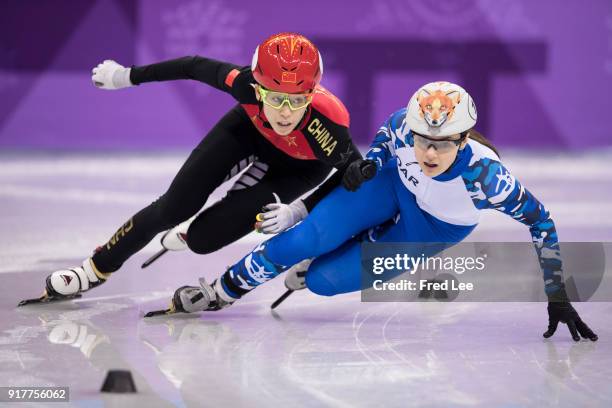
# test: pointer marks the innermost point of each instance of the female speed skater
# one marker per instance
(435, 174)
(286, 132)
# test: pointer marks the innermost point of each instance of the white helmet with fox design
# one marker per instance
(441, 109)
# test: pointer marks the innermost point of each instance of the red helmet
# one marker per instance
(287, 62)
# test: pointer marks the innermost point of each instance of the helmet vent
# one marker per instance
(287, 62)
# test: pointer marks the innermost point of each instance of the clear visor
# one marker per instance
(444, 145)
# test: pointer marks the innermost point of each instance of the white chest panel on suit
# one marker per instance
(448, 201)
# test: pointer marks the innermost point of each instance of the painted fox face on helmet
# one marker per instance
(441, 109)
(288, 63)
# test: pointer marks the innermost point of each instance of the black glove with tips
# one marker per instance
(357, 172)
(561, 310)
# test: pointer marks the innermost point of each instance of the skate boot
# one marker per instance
(175, 239)
(295, 279)
(203, 298)
(70, 283)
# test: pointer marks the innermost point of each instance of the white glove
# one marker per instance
(110, 75)
(278, 216)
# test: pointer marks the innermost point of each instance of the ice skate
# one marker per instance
(295, 279)
(69, 284)
(203, 298)
(175, 239)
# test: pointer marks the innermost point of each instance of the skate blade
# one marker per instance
(170, 310)
(281, 299)
(160, 312)
(47, 299)
(154, 258)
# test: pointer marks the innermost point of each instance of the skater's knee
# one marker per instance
(206, 238)
(327, 276)
(203, 245)
(318, 283)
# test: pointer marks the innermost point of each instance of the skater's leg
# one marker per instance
(338, 217)
(205, 169)
(251, 271)
(233, 217)
(340, 271)
(333, 221)
(226, 144)
(336, 272)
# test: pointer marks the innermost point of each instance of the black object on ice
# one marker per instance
(281, 299)
(120, 381)
(154, 257)
(160, 312)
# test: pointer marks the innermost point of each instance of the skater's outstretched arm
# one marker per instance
(220, 75)
(207, 70)
(495, 187)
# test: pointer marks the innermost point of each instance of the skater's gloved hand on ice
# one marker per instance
(277, 217)
(561, 310)
(357, 172)
(110, 75)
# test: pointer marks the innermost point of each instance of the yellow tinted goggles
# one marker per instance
(276, 100)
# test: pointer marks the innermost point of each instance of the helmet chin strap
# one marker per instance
(463, 136)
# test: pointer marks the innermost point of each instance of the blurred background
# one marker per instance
(540, 72)
(76, 162)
